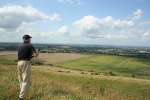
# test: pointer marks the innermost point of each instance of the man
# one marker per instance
(25, 53)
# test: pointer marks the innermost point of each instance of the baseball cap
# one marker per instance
(25, 37)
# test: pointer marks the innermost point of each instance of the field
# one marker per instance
(78, 77)
(116, 65)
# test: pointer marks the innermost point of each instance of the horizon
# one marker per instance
(83, 22)
(78, 44)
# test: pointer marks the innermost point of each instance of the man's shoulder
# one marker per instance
(25, 45)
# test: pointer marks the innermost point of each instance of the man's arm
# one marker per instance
(35, 52)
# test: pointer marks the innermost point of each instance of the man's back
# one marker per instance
(25, 51)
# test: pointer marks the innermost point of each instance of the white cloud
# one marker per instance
(11, 17)
(137, 14)
(116, 36)
(146, 22)
(55, 17)
(110, 22)
(17, 20)
(88, 25)
(63, 30)
(94, 27)
(24, 19)
(146, 34)
(111, 30)
(42, 35)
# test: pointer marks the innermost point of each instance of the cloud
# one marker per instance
(63, 30)
(146, 34)
(109, 29)
(88, 25)
(146, 22)
(94, 27)
(17, 20)
(110, 22)
(138, 14)
(55, 17)
(11, 17)
(45, 35)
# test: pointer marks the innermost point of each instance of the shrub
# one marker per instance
(37, 61)
(50, 64)
(95, 73)
(133, 75)
(83, 73)
(112, 74)
(91, 70)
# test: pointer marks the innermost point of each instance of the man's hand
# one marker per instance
(35, 54)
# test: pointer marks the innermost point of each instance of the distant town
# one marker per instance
(93, 49)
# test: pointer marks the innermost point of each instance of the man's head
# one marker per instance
(27, 39)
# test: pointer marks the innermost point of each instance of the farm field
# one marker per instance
(70, 77)
(115, 65)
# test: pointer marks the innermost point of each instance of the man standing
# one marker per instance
(25, 53)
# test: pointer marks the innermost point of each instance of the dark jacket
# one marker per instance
(25, 51)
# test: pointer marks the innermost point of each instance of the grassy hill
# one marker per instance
(50, 84)
(117, 65)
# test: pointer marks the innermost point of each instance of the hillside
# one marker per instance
(57, 83)
(109, 64)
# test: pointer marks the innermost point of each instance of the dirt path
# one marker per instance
(5, 53)
(70, 72)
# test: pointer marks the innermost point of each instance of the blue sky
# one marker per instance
(107, 22)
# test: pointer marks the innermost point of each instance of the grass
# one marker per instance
(8, 60)
(54, 58)
(44, 58)
(52, 86)
(126, 66)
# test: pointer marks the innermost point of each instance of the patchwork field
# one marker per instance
(78, 77)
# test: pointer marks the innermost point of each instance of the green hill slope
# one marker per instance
(118, 65)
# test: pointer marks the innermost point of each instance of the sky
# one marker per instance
(101, 22)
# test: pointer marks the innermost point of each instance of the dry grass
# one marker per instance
(47, 58)
(9, 57)
(43, 58)
(54, 58)
(49, 85)
(53, 83)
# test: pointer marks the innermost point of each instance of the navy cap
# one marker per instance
(25, 37)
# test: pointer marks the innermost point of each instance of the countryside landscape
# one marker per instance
(78, 76)
(74, 49)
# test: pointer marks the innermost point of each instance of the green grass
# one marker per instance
(51, 86)
(8, 59)
(4, 61)
(120, 65)
(48, 85)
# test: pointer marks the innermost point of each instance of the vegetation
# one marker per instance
(113, 65)
(140, 52)
(37, 61)
(49, 84)
(8, 60)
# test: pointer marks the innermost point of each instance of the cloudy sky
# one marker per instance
(104, 22)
